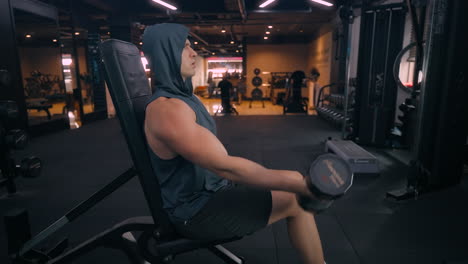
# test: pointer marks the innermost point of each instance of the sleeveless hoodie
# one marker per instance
(185, 186)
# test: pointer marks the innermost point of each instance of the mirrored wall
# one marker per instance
(41, 61)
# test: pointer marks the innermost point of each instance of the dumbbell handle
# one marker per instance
(313, 204)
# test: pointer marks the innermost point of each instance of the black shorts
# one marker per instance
(235, 210)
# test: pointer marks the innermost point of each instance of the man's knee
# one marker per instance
(294, 207)
(284, 205)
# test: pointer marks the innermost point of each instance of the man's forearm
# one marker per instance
(244, 171)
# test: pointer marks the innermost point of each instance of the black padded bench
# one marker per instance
(130, 90)
(40, 107)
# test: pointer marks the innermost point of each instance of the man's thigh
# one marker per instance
(233, 211)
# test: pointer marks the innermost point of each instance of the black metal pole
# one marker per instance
(79, 210)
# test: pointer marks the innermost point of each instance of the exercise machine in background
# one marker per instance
(381, 40)
(441, 130)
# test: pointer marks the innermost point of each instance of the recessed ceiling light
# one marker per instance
(268, 32)
(223, 30)
(54, 40)
(28, 36)
(77, 33)
(165, 4)
(270, 26)
(195, 42)
(141, 43)
(232, 42)
(266, 3)
(237, 51)
(265, 37)
(213, 53)
(322, 2)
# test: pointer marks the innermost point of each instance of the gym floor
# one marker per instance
(362, 227)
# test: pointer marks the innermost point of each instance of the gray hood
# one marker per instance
(163, 45)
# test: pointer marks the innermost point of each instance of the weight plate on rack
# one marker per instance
(257, 81)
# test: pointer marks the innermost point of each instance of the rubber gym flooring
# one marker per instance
(362, 227)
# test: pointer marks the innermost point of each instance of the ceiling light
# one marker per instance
(268, 32)
(265, 37)
(223, 30)
(237, 51)
(28, 36)
(195, 42)
(66, 61)
(322, 2)
(108, 33)
(232, 42)
(54, 40)
(165, 4)
(270, 26)
(77, 33)
(266, 3)
(141, 43)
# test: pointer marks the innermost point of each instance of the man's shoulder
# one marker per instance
(166, 103)
(165, 107)
(166, 116)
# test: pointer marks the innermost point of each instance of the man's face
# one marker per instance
(187, 65)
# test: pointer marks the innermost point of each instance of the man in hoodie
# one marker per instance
(195, 172)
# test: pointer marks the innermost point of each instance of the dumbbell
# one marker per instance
(30, 167)
(17, 138)
(329, 178)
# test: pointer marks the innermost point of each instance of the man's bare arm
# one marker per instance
(173, 122)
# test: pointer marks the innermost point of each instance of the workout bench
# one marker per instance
(153, 238)
(40, 107)
(128, 86)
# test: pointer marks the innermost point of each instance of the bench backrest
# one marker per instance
(130, 91)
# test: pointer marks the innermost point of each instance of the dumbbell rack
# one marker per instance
(10, 139)
(333, 108)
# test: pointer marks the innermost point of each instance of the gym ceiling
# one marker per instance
(293, 21)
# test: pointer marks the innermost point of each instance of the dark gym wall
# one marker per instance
(10, 61)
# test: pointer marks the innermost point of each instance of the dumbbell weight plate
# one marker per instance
(31, 167)
(17, 138)
(257, 81)
(257, 94)
(329, 177)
